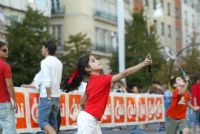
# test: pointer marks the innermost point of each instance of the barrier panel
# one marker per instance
(122, 109)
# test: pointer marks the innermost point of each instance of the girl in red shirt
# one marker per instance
(95, 98)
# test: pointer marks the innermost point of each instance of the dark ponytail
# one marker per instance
(76, 81)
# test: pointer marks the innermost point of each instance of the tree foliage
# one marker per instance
(76, 46)
(191, 62)
(25, 40)
(138, 43)
(188, 58)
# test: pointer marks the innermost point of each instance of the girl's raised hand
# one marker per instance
(147, 62)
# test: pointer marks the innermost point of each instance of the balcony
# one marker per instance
(58, 11)
(106, 16)
(103, 48)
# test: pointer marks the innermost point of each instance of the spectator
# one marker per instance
(7, 93)
(51, 73)
(167, 97)
(156, 88)
(35, 83)
(119, 87)
(196, 96)
(134, 89)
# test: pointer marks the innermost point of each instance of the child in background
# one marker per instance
(35, 83)
(97, 92)
(176, 113)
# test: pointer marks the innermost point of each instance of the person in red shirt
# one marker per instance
(7, 115)
(97, 92)
(176, 113)
(196, 96)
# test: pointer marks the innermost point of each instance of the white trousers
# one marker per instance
(87, 124)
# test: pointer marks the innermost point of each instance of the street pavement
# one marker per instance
(128, 131)
(112, 131)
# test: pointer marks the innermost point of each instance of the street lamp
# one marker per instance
(121, 41)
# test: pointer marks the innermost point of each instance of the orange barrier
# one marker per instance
(122, 109)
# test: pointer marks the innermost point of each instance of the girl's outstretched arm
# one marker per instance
(131, 70)
(83, 100)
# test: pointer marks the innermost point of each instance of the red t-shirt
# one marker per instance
(196, 93)
(5, 72)
(178, 107)
(97, 91)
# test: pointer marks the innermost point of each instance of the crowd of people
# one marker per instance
(178, 96)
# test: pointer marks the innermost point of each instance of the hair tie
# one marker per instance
(74, 74)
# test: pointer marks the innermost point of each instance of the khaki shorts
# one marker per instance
(174, 125)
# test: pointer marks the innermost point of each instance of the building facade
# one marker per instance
(164, 25)
(97, 18)
(14, 10)
(190, 21)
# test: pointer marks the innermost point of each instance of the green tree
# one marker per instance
(76, 46)
(190, 61)
(137, 45)
(25, 41)
(188, 57)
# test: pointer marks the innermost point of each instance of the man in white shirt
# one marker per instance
(50, 74)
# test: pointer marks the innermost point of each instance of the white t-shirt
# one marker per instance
(51, 74)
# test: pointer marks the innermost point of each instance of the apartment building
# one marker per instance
(96, 18)
(190, 21)
(164, 25)
(14, 10)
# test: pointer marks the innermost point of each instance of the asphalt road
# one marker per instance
(115, 131)
(129, 131)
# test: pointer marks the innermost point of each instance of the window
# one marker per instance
(168, 9)
(103, 39)
(185, 13)
(186, 22)
(192, 16)
(162, 28)
(193, 25)
(185, 1)
(162, 4)
(169, 30)
(55, 4)
(154, 4)
(106, 9)
(57, 32)
(155, 24)
(147, 3)
(177, 12)
(177, 33)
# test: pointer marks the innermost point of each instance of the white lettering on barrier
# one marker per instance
(141, 110)
(158, 108)
(74, 110)
(136, 107)
(34, 110)
(62, 110)
(119, 110)
(20, 113)
(150, 110)
(131, 110)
